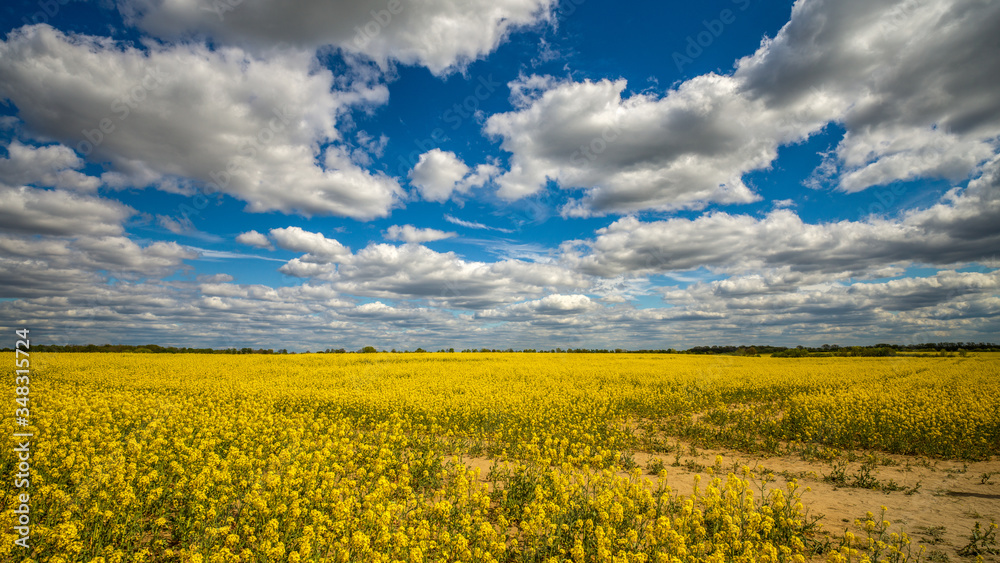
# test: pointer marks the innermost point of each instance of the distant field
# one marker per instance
(504, 457)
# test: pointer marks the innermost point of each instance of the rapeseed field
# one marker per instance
(369, 457)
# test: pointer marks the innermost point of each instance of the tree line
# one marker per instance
(881, 349)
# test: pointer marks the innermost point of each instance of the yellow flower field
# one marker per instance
(366, 457)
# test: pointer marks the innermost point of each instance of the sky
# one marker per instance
(516, 174)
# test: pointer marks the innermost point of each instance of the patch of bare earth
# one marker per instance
(937, 506)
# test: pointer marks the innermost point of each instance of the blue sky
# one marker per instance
(522, 173)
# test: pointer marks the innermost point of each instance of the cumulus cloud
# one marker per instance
(412, 271)
(912, 84)
(319, 249)
(215, 278)
(551, 305)
(961, 228)
(741, 243)
(907, 310)
(253, 238)
(45, 166)
(776, 306)
(641, 152)
(443, 36)
(411, 234)
(66, 265)
(735, 242)
(175, 115)
(439, 174)
(57, 212)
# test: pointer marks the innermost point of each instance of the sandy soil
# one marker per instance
(939, 514)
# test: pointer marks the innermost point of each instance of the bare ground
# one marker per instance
(939, 514)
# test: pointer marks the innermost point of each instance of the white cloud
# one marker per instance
(681, 150)
(45, 166)
(411, 234)
(474, 224)
(905, 310)
(58, 212)
(913, 85)
(770, 307)
(215, 278)
(75, 265)
(960, 229)
(172, 115)
(319, 249)
(121, 254)
(912, 82)
(444, 279)
(439, 174)
(172, 225)
(551, 305)
(253, 238)
(441, 35)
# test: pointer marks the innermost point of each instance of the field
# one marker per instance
(506, 457)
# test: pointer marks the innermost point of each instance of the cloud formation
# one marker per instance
(912, 83)
(411, 234)
(913, 86)
(253, 238)
(439, 175)
(37, 211)
(440, 35)
(184, 116)
(49, 166)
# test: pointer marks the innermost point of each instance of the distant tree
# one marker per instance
(368, 350)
